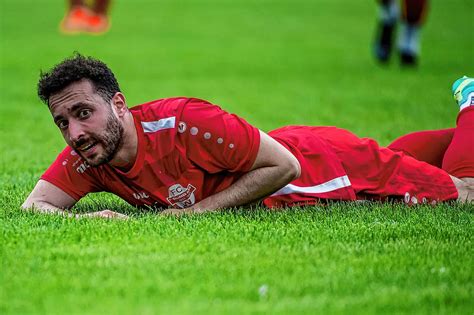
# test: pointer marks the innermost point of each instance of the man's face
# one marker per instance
(87, 122)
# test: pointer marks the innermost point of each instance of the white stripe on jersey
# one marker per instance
(153, 126)
(333, 184)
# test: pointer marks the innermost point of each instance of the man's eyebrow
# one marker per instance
(77, 106)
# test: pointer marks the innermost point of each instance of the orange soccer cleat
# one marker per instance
(75, 20)
(97, 24)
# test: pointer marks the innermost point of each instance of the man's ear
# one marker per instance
(119, 103)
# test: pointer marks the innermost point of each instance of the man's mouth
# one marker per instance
(87, 147)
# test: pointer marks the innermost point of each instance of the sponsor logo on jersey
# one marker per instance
(140, 195)
(82, 167)
(181, 197)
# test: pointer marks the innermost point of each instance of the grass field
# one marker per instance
(274, 63)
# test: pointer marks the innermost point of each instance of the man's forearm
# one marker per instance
(44, 207)
(250, 187)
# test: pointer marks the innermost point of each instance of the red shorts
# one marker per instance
(337, 165)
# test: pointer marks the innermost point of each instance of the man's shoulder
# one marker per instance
(160, 108)
(167, 107)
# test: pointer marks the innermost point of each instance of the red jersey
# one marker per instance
(188, 149)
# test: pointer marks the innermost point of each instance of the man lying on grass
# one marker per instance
(186, 155)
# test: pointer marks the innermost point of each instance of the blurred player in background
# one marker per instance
(411, 15)
(86, 17)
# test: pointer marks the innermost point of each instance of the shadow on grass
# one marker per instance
(101, 201)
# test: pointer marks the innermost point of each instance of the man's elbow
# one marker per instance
(28, 204)
(31, 203)
(293, 168)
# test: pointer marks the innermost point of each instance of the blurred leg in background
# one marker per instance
(411, 15)
(388, 16)
(86, 17)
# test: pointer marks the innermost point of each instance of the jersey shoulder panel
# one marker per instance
(159, 109)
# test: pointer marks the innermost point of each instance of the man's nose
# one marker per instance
(76, 131)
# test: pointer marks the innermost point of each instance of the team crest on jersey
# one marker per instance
(181, 197)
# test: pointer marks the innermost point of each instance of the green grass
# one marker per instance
(340, 259)
(274, 63)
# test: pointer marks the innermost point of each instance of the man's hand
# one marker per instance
(465, 188)
(178, 212)
(47, 198)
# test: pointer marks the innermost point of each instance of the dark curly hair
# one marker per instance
(74, 69)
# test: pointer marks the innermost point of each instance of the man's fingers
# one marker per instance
(108, 214)
(175, 212)
(113, 215)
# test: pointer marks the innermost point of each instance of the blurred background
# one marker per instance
(274, 63)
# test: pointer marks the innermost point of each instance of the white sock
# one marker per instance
(468, 102)
(409, 40)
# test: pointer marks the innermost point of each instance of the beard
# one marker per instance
(111, 140)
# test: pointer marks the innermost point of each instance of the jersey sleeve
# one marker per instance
(70, 173)
(216, 140)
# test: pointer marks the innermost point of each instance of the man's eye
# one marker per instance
(85, 113)
(62, 124)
